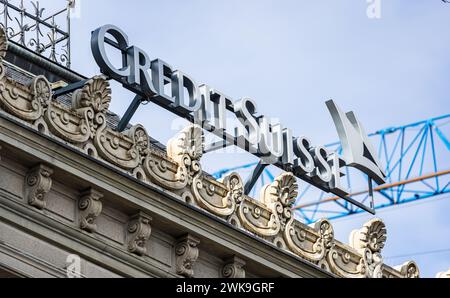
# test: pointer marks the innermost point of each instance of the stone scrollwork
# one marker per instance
(187, 149)
(37, 184)
(258, 218)
(219, 198)
(79, 124)
(347, 262)
(371, 236)
(370, 240)
(25, 102)
(234, 268)
(280, 196)
(139, 231)
(183, 163)
(96, 94)
(409, 270)
(274, 212)
(213, 196)
(165, 172)
(179, 170)
(311, 243)
(186, 252)
(124, 150)
(71, 126)
(90, 208)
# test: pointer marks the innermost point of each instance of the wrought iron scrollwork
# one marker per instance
(29, 26)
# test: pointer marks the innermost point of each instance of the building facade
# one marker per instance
(74, 191)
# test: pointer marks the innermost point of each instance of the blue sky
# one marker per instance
(290, 57)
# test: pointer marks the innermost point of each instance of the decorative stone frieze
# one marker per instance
(90, 208)
(369, 241)
(37, 184)
(139, 231)
(186, 252)
(234, 268)
(280, 196)
(95, 95)
(84, 126)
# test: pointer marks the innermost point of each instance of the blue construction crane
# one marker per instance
(417, 159)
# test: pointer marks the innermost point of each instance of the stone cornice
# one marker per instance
(179, 173)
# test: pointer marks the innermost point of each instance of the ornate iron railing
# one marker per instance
(48, 35)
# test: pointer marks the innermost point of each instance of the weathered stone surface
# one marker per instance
(186, 251)
(83, 126)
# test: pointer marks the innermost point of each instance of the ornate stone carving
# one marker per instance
(95, 94)
(90, 208)
(37, 184)
(310, 243)
(257, 218)
(41, 90)
(280, 196)
(213, 196)
(234, 268)
(187, 149)
(346, 263)
(139, 231)
(88, 105)
(189, 142)
(69, 125)
(25, 102)
(124, 150)
(233, 182)
(183, 165)
(371, 236)
(165, 172)
(180, 171)
(370, 240)
(409, 270)
(443, 274)
(186, 252)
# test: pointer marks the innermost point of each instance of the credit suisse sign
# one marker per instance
(157, 81)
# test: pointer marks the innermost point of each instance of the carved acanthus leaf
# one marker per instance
(37, 184)
(372, 236)
(90, 208)
(139, 231)
(186, 252)
(280, 196)
(95, 94)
